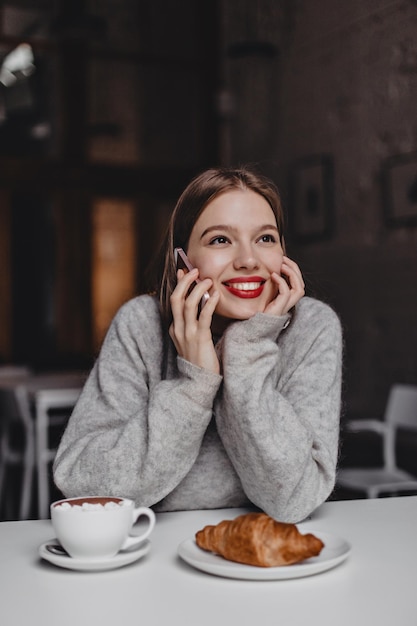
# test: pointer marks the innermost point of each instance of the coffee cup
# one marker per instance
(98, 527)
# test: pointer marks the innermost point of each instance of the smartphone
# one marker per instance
(183, 263)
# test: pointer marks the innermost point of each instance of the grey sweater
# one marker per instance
(153, 427)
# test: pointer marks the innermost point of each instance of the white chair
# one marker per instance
(18, 450)
(400, 412)
(48, 401)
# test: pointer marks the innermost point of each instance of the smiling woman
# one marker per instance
(242, 254)
(237, 404)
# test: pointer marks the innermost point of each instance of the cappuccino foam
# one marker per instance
(89, 506)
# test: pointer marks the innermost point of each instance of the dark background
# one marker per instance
(129, 99)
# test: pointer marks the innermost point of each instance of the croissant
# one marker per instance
(258, 539)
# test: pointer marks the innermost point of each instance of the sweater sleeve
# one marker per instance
(280, 409)
(131, 433)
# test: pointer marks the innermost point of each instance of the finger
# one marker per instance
(296, 283)
(290, 262)
(294, 276)
(192, 302)
(281, 281)
(292, 268)
(283, 289)
(184, 281)
(207, 311)
(180, 292)
(177, 305)
(285, 299)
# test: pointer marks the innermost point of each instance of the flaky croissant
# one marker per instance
(257, 539)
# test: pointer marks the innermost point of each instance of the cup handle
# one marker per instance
(135, 540)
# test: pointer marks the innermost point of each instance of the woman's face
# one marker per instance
(236, 243)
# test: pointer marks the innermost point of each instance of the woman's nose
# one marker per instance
(246, 258)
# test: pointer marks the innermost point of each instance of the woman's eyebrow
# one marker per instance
(215, 227)
(268, 227)
(229, 228)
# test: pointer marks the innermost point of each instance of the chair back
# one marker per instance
(14, 401)
(14, 404)
(401, 407)
(401, 411)
(8, 403)
(48, 402)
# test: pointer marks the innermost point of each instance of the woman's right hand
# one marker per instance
(191, 333)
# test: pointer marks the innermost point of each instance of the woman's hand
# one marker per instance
(192, 334)
(291, 288)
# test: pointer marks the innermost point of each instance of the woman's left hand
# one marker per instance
(291, 288)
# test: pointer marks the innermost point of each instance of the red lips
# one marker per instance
(245, 286)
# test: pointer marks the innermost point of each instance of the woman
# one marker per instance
(233, 406)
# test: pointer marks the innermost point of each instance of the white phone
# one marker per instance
(183, 263)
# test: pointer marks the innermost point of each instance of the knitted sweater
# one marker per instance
(153, 427)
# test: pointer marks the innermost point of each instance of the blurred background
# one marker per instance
(109, 107)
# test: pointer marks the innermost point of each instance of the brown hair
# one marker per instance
(192, 202)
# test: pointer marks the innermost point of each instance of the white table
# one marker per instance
(377, 585)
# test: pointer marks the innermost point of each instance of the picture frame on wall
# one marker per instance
(311, 198)
(399, 188)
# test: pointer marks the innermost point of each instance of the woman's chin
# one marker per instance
(237, 313)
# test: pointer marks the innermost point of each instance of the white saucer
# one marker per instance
(334, 552)
(87, 565)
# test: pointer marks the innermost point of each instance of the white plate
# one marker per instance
(334, 552)
(87, 565)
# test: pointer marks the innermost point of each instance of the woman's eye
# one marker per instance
(268, 239)
(218, 240)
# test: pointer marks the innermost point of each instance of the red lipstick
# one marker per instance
(245, 286)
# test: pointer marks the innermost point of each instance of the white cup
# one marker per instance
(98, 527)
